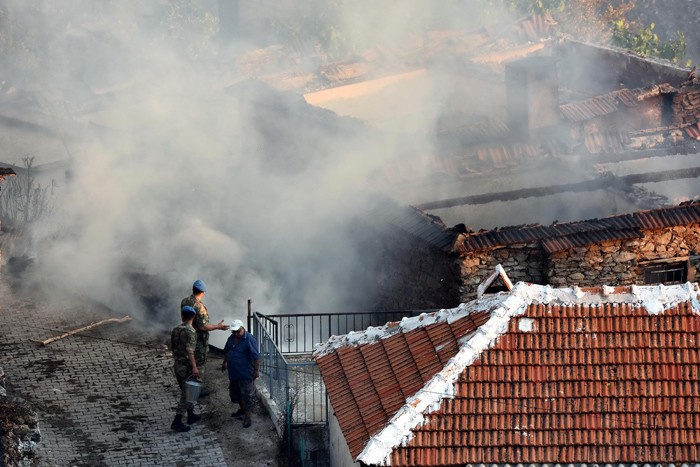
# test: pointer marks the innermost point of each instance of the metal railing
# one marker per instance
(297, 334)
(286, 342)
(295, 386)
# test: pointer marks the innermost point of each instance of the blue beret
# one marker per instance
(199, 285)
(188, 309)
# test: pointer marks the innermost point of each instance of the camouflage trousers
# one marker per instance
(200, 358)
(182, 372)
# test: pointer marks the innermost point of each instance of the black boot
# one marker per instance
(192, 417)
(238, 413)
(177, 424)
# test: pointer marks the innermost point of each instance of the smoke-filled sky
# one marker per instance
(181, 169)
(184, 168)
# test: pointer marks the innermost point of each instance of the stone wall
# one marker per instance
(618, 262)
(621, 262)
(521, 262)
(403, 272)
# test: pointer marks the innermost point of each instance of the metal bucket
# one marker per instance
(192, 390)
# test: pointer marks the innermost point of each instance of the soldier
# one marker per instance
(202, 326)
(183, 341)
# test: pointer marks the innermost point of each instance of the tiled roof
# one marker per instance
(415, 222)
(538, 375)
(558, 237)
(532, 28)
(369, 384)
(612, 140)
(693, 131)
(600, 105)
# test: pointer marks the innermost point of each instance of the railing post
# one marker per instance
(271, 369)
(286, 388)
(250, 309)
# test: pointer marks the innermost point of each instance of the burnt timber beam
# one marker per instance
(606, 181)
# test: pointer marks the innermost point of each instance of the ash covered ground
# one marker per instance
(105, 397)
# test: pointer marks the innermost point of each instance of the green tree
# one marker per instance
(643, 40)
(315, 21)
(604, 22)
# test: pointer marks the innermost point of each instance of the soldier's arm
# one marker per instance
(191, 343)
(193, 362)
(213, 327)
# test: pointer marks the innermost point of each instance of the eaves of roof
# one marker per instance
(415, 222)
(608, 103)
(558, 237)
(536, 375)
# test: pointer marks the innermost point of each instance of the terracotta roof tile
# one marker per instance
(564, 383)
(362, 379)
(561, 236)
(607, 103)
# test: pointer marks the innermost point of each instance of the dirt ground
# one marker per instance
(244, 447)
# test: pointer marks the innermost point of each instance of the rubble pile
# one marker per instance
(19, 431)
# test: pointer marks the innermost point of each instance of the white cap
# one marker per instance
(236, 325)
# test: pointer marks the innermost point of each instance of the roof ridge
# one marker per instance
(399, 428)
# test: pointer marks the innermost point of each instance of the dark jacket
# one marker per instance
(241, 356)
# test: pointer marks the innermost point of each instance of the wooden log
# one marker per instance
(85, 328)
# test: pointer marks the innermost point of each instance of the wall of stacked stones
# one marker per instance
(618, 262)
(412, 274)
(402, 272)
(607, 263)
(522, 262)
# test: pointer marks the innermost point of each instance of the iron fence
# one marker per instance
(295, 386)
(297, 334)
(286, 342)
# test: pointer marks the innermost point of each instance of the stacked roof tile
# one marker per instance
(602, 105)
(415, 222)
(538, 375)
(559, 237)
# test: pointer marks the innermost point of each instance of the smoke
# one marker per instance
(182, 170)
(182, 167)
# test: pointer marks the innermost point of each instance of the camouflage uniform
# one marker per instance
(182, 339)
(200, 319)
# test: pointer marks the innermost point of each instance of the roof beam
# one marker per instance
(606, 181)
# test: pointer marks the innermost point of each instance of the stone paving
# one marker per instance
(106, 397)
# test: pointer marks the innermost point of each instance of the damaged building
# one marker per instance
(596, 171)
(645, 247)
